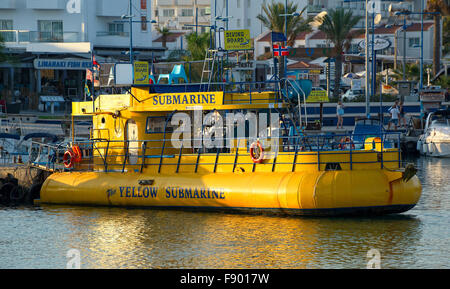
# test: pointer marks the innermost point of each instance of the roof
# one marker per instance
(414, 27)
(304, 65)
(172, 37)
(267, 37)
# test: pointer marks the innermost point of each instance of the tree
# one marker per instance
(412, 73)
(197, 44)
(443, 8)
(273, 21)
(165, 32)
(338, 27)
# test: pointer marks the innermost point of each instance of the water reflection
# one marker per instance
(117, 238)
(123, 238)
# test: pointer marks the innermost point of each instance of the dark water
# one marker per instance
(121, 238)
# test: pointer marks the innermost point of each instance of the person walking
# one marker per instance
(402, 118)
(340, 115)
(395, 113)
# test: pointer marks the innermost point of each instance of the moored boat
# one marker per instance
(225, 149)
(435, 141)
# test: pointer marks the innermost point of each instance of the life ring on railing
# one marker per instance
(68, 159)
(345, 141)
(257, 152)
(77, 154)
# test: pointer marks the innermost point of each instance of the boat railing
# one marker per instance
(45, 156)
(288, 151)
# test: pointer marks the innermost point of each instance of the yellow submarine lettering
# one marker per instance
(194, 193)
(188, 99)
(138, 192)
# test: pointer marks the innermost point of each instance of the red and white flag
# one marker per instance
(279, 50)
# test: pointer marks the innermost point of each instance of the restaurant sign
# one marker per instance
(63, 64)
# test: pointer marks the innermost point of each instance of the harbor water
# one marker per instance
(45, 237)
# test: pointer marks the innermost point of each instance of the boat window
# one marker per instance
(156, 124)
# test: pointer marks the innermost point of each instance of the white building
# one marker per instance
(180, 17)
(182, 14)
(243, 14)
(68, 29)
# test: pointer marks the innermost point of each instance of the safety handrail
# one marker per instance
(294, 146)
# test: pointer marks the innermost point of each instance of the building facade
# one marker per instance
(51, 41)
(243, 14)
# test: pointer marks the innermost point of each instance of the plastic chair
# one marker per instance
(177, 73)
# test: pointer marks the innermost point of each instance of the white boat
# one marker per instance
(435, 141)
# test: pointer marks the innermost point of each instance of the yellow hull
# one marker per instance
(302, 193)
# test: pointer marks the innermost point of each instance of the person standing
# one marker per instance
(402, 118)
(395, 113)
(340, 115)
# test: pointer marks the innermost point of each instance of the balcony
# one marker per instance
(46, 4)
(185, 2)
(7, 4)
(315, 9)
(109, 33)
(25, 36)
(204, 2)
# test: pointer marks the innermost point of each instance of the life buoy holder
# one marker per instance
(68, 159)
(257, 152)
(344, 142)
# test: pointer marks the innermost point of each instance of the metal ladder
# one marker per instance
(208, 67)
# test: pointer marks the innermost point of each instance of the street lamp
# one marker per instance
(130, 16)
(295, 14)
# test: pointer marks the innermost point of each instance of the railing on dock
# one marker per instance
(319, 152)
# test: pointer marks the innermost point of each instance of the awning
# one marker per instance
(51, 98)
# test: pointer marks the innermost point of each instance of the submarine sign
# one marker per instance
(182, 100)
(132, 192)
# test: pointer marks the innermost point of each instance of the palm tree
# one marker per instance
(197, 44)
(443, 7)
(165, 32)
(412, 72)
(273, 21)
(338, 27)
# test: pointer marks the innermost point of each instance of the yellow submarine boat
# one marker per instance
(131, 161)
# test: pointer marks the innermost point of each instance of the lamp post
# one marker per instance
(130, 20)
(367, 61)
(295, 14)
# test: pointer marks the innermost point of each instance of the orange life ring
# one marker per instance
(344, 142)
(68, 159)
(77, 154)
(257, 156)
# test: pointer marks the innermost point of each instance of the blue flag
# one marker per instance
(278, 37)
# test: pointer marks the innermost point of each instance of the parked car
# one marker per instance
(352, 94)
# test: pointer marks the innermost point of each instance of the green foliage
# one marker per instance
(338, 26)
(197, 44)
(443, 81)
(295, 24)
(165, 32)
(446, 35)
